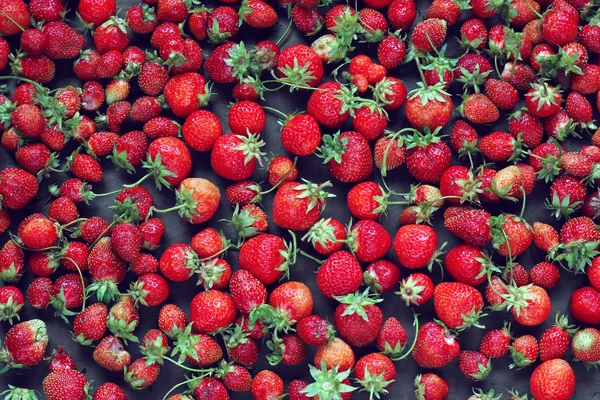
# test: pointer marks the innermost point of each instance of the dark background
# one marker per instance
(501, 379)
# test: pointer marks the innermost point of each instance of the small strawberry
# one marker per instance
(474, 365)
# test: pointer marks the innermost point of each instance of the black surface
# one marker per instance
(588, 385)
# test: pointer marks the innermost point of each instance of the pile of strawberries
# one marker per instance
(145, 112)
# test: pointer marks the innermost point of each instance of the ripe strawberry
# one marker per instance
(11, 303)
(315, 330)
(536, 305)
(267, 257)
(584, 305)
(495, 343)
(375, 372)
(257, 14)
(358, 318)
(524, 351)
(111, 355)
(39, 69)
(429, 34)
(96, 12)
(474, 365)
(69, 291)
(201, 130)
(61, 360)
(543, 100)
(301, 135)
(64, 42)
(46, 10)
(28, 119)
(381, 276)
(141, 19)
(501, 146)
(15, 17)
(109, 391)
(40, 292)
(65, 383)
(553, 379)
(435, 346)
(211, 310)
(560, 26)
(90, 325)
(545, 274)
(430, 387)
(150, 290)
(141, 373)
(518, 74)
(416, 289)
(298, 65)
(25, 343)
(526, 127)
(33, 42)
(479, 109)
(457, 305)
(473, 34)
(266, 385)
(428, 106)
(467, 264)
(368, 240)
(347, 156)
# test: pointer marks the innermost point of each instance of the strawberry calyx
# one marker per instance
(295, 76)
(209, 272)
(315, 193)
(438, 62)
(183, 344)
(518, 297)
(375, 385)
(470, 188)
(562, 208)
(421, 139)
(483, 371)
(215, 35)
(275, 344)
(9, 310)
(119, 160)
(577, 254)
(328, 383)
(156, 170)
(6, 111)
(155, 350)
(333, 147)
(410, 291)
(356, 303)
(244, 63)
(489, 395)
(473, 79)
(250, 147)
(121, 329)
(289, 255)
(562, 321)
(18, 393)
(551, 167)
(350, 101)
(106, 290)
(242, 221)
(429, 93)
(138, 293)
(516, 396)
(58, 302)
(321, 232)
(519, 360)
(543, 95)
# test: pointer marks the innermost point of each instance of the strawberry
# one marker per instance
(429, 34)
(39, 69)
(96, 12)
(238, 379)
(61, 360)
(416, 289)
(141, 19)
(553, 379)
(331, 105)
(368, 240)
(430, 387)
(543, 100)
(347, 156)
(421, 240)
(402, 14)
(391, 52)
(202, 129)
(35, 158)
(186, 93)
(575, 237)
(369, 121)
(152, 78)
(428, 106)
(69, 291)
(39, 293)
(28, 119)
(123, 319)
(315, 330)
(234, 157)
(246, 117)
(298, 65)
(242, 349)
(281, 169)
(15, 17)
(223, 23)
(266, 385)
(209, 243)
(86, 168)
(247, 291)
(171, 320)
(526, 127)
(457, 305)
(33, 42)
(178, 262)
(336, 353)
(65, 383)
(593, 273)
(90, 325)
(381, 276)
(211, 310)
(141, 373)
(560, 27)
(106, 268)
(530, 305)
(109, 391)
(374, 25)
(473, 34)
(64, 42)
(474, 365)
(150, 290)
(495, 343)
(84, 67)
(375, 372)
(266, 257)
(518, 74)
(298, 206)
(25, 344)
(467, 264)
(161, 127)
(524, 351)
(11, 303)
(326, 236)
(358, 318)
(435, 346)
(479, 109)
(46, 10)
(584, 305)
(37, 232)
(301, 135)
(501, 146)
(448, 10)
(144, 264)
(93, 229)
(111, 355)
(257, 14)
(586, 345)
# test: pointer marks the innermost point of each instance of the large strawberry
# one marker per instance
(458, 305)
(553, 379)
(186, 93)
(267, 257)
(211, 310)
(299, 66)
(25, 344)
(340, 275)
(347, 156)
(66, 384)
(435, 346)
(429, 106)
(298, 206)
(358, 318)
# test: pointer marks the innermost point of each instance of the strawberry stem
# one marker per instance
(285, 33)
(305, 254)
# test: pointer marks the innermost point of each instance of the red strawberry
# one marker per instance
(40, 292)
(429, 34)
(95, 12)
(109, 391)
(65, 383)
(416, 289)
(25, 344)
(544, 382)
(358, 318)
(14, 18)
(560, 26)
(402, 14)
(474, 365)
(141, 374)
(496, 342)
(64, 42)
(584, 304)
(457, 305)
(47, 10)
(90, 325)
(428, 106)
(430, 387)
(315, 331)
(339, 275)
(301, 135)
(435, 346)
(201, 130)
(348, 156)
(257, 14)
(267, 257)
(335, 354)
(111, 355)
(11, 303)
(186, 93)
(211, 310)
(555, 340)
(375, 372)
